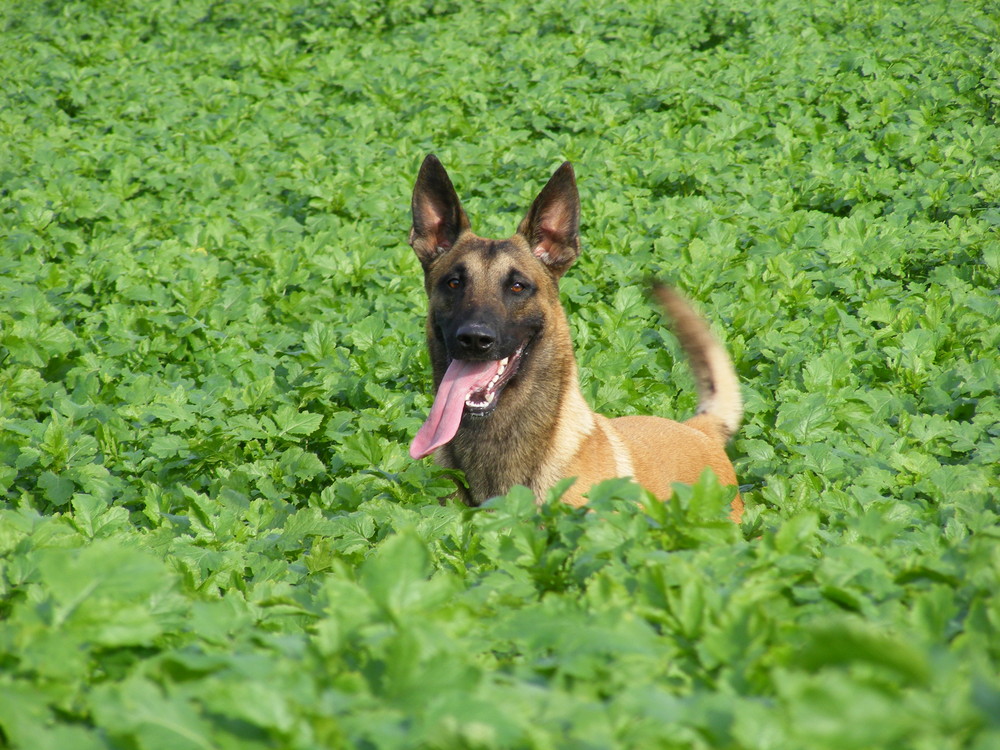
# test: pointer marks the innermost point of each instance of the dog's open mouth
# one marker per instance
(483, 399)
(467, 387)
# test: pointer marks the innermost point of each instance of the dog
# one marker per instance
(508, 408)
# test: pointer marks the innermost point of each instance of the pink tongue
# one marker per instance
(459, 381)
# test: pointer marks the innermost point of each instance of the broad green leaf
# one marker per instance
(292, 423)
(395, 574)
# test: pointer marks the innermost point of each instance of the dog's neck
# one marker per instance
(574, 423)
(502, 450)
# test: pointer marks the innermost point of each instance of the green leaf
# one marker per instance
(293, 424)
(57, 489)
(842, 643)
(797, 534)
(395, 575)
(138, 710)
(805, 420)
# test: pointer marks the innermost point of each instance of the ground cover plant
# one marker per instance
(211, 365)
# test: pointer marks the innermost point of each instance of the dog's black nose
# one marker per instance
(475, 338)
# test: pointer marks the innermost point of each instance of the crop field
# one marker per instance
(212, 363)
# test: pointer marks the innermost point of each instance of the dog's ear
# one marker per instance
(552, 225)
(438, 217)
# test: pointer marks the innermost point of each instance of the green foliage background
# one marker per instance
(211, 363)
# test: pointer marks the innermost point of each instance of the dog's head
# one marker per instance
(489, 300)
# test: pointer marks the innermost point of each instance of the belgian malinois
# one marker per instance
(508, 408)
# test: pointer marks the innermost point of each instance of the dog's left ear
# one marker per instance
(438, 216)
(552, 225)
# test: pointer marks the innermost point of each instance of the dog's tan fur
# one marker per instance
(542, 428)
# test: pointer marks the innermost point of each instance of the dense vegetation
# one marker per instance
(211, 364)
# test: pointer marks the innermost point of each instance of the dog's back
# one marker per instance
(657, 452)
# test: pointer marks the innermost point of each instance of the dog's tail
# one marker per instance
(718, 387)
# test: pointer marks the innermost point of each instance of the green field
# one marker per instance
(211, 365)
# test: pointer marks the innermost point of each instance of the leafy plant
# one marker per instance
(211, 362)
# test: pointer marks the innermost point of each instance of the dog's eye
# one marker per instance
(517, 287)
(453, 282)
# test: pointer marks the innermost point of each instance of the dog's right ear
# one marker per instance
(438, 217)
(552, 226)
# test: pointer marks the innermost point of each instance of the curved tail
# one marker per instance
(718, 387)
